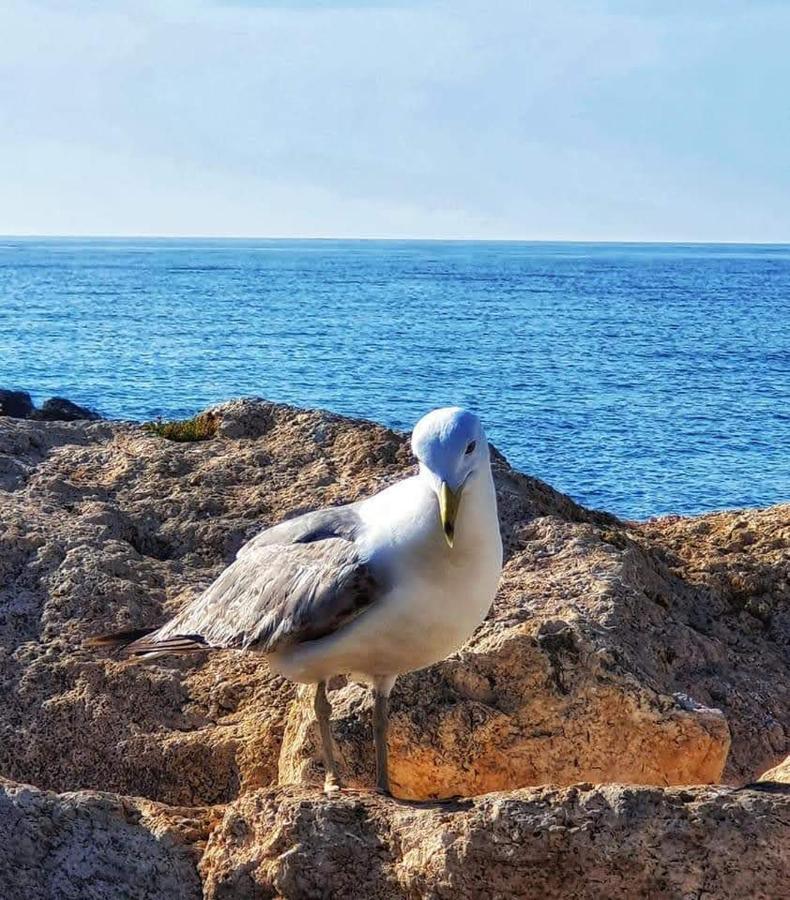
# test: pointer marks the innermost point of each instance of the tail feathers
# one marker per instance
(118, 640)
(137, 642)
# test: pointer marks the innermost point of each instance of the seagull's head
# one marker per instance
(451, 448)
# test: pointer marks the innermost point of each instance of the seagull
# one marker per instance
(371, 590)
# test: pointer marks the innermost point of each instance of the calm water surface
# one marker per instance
(643, 379)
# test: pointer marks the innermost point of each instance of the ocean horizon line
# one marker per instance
(392, 240)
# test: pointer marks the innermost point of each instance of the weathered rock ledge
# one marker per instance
(584, 841)
(653, 654)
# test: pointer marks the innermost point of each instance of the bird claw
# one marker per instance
(331, 786)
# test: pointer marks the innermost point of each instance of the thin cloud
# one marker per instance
(537, 120)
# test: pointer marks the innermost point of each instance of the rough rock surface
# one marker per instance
(18, 404)
(780, 773)
(103, 526)
(59, 409)
(604, 658)
(615, 652)
(89, 845)
(735, 567)
(611, 841)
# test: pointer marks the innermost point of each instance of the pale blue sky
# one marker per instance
(513, 119)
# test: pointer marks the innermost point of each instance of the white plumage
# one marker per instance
(435, 595)
(381, 587)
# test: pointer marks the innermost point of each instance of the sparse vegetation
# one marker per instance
(202, 427)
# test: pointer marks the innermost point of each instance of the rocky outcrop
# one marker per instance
(583, 841)
(615, 651)
(99, 846)
(19, 405)
(59, 409)
(780, 773)
(580, 842)
(104, 526)
(730, 574)
(515, 708)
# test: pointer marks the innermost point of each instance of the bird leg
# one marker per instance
(323, 711)
(380, 725)
(381, 694)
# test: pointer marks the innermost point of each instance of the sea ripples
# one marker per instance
(642, 379)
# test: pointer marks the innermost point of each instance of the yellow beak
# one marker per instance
(449, 501)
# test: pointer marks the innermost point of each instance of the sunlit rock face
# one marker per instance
(585, 841)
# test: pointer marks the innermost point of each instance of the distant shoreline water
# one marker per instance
(643, 379)
(251, 239)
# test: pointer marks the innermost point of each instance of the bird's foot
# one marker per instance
(383, 788)
(332, 785)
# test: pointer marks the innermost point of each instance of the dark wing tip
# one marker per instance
(179, 643)
(117, 640)
(134, 643)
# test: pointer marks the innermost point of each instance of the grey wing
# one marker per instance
(298, 581)
(336, 521)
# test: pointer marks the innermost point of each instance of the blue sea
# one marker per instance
(640, 379)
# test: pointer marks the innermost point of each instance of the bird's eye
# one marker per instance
(471, 447)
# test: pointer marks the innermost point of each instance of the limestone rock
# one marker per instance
(614, 651)
(90, 845)
(605, 656)
(780, 773)
(518, 707)
(732, 598)
(103, 526)
(583, 841)
(578, 842)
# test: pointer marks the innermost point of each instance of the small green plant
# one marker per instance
(199, 428)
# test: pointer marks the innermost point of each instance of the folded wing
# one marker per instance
(296, 582)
